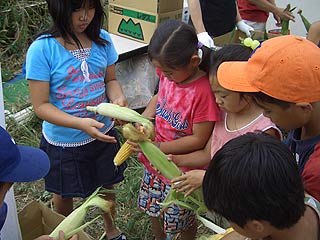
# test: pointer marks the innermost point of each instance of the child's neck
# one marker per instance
(196, 74)
(238, 120)
(306, 228)
(83, 38)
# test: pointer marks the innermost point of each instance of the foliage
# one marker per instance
(20, 21)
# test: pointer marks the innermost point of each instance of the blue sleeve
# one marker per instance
(37, 65)
(110, 50)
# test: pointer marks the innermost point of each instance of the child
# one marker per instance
(184, 113)
(20, 164)
(254, 182)
(314, 33)
(241, 115)
(284, 76)
(69, 67)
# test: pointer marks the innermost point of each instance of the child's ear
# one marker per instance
(195, 60)
(305, 106)
(256, 226)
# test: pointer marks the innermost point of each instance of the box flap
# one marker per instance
(37, 219)
(153, 6)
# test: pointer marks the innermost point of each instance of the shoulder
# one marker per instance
(41, 45)
(203, 82)
(313, 203)
(314, 32)
(42, 41)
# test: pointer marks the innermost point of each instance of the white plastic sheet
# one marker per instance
(138, 80)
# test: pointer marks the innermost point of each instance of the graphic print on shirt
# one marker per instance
(74, 92)
(174, 119)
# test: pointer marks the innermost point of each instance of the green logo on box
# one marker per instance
(139, 15)
(131, 29)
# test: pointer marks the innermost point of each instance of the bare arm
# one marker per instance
(150, 110)
(196, 141)
(199, 158)
(238, 17)
(196, 15)
(114, 90)
(270, 6)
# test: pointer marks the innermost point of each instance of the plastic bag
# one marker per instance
(138, 80)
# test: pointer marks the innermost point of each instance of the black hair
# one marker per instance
(173, 44)
(229, 52)
(255, 177)
(61, 13)
(262, 97)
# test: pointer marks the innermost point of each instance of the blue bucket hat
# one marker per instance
(20, 163)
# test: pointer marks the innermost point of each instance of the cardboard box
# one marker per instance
(152, 6)
(234, 37)
(36, 219)
(137, 24)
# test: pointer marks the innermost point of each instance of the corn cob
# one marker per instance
(159, 160)
(72, 223)
(137, 135)
(123, 154)
(125, 114)
(305, 21)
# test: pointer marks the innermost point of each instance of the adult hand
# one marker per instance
(284, 14)
(206, 40)
(243, 27)
(278, 19)
(188, 182)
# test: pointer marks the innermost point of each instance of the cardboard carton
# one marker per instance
(36, 219)
(135, 23)
(152, 6)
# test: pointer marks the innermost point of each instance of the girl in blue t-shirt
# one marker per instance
(68, 67)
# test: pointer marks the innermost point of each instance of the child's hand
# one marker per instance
(135, 146)
(175, 159)
(121, 101)
(91, 126)
(188, 182)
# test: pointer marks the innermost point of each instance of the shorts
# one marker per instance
(152, 192)
(79, 171)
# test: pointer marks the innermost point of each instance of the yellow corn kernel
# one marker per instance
(123, 154)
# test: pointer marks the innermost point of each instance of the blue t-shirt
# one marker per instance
(70, 90)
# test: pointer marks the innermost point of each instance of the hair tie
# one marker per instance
(248, 42)
(200, 45)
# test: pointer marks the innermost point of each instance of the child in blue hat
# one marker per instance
(19, 164)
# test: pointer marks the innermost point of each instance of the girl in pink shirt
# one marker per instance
(185, 112)
(240, 115)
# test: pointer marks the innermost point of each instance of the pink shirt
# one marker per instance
(180, 106)
(221, 134)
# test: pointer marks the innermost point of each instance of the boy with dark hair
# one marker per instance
(254, 182)
(284, 77)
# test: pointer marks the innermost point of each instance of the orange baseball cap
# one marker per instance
(286, 68)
